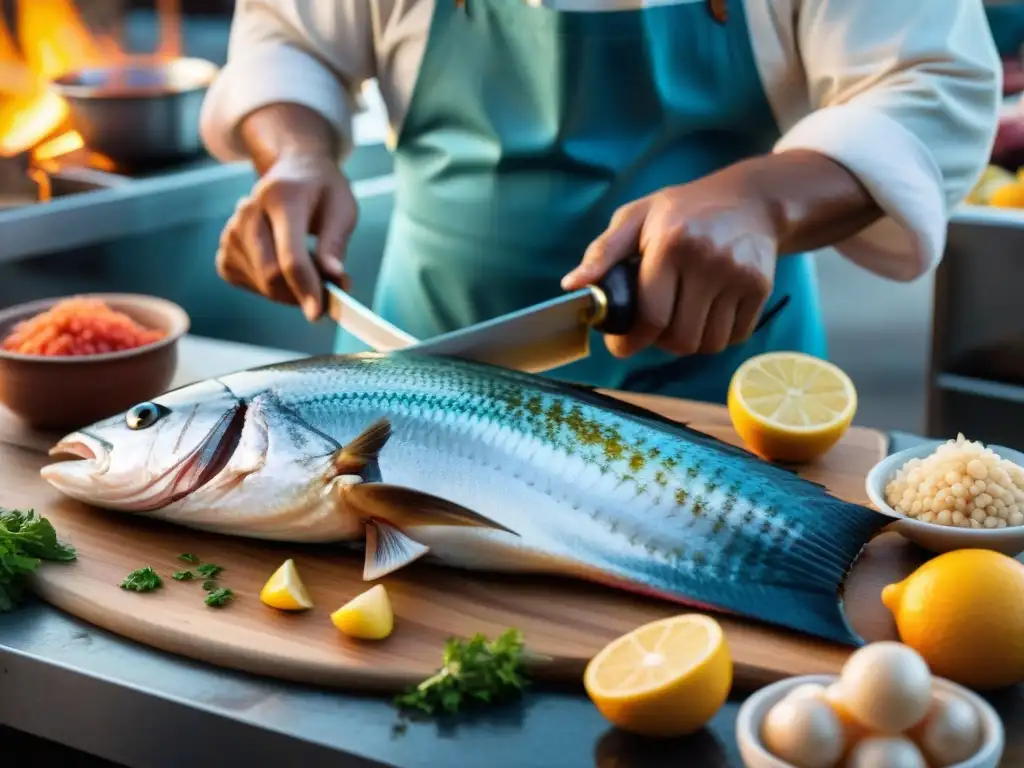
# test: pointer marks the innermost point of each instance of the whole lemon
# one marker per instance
(1007, 196)
(964, 613)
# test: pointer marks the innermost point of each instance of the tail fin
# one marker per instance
(791, 576)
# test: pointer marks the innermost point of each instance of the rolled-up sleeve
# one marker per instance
(316, 54)
(905, 94)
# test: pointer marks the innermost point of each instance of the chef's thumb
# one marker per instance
(618, 242)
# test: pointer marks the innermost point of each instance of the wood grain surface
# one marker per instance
(563, 621)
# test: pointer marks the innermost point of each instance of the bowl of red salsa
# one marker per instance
(70, 361)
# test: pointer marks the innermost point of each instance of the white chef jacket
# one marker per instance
(903, 93)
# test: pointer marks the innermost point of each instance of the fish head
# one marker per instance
(154, 453)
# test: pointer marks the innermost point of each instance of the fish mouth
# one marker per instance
(88, 457)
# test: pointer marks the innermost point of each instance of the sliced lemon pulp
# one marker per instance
(790, 406)
(285, 591)
(666, 678)
(367, 616)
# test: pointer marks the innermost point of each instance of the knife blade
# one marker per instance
(547, 335)
(536, 339)
(363, 323)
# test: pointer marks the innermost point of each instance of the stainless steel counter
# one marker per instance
(69, 682)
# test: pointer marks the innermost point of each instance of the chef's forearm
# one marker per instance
(280, 129)
(814, 202)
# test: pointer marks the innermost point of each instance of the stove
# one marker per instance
(56, 195)
(156, 230)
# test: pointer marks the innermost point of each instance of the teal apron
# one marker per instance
(1007, 25)
(528, 127)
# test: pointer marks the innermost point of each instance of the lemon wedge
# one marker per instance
(285, 590)
(667, 678)
(367, 616)
(792, 407)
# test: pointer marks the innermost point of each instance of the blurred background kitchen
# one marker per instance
(72, 219)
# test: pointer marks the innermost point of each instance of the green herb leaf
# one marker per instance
(210, 585)
(188, 558)
(34, 536)
(25, 541)
(183, 576)
(209, 570)
(219, 597)
(472, 671)
(142, 580)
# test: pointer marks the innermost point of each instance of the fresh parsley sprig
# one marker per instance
(473, 671)
(209, 570)
(142, 580)
(25, 541)
(219, 597)
(146, 579)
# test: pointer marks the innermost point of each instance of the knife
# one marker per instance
(363, 323)
(536, 339)
(547, 335)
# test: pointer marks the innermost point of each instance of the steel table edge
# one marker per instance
(45, 721)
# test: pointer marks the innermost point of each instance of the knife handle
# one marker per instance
(620, 289)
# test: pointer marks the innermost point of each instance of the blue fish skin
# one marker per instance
(628, 495)
(481, 468)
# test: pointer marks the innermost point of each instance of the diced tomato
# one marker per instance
(78, 327)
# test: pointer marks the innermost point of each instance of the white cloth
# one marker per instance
(904, 93)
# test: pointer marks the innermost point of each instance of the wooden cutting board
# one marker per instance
(561, 619)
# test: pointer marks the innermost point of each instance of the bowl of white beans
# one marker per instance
(953, 494)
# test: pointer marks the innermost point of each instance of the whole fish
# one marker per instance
(483, 468)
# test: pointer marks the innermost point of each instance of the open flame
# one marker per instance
(53, 40)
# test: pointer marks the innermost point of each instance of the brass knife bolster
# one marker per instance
(599, 310)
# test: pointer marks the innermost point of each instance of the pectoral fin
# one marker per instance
(388, 549)
(408, 509)
(359, 457)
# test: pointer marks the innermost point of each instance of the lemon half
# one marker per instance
(667, 678)
(792, 407)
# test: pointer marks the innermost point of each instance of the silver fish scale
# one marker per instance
(593, 486)
(661, 503)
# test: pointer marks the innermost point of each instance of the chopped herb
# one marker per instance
(25, 541)
(188, 558)
(209, 570)
(219, 597)
(142, 580)
(183, 576)
(479, 670)
(210, 585)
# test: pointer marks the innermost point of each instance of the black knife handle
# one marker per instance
(620, 289)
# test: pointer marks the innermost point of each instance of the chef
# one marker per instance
(538, 142)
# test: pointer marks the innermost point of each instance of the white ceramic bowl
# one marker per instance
(941, 538)
(755, 709)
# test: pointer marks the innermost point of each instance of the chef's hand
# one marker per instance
(263, 247)
(708, 251)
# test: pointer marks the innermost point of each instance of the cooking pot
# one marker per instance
(139, 113)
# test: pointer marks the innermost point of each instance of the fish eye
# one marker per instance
(145, 415)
